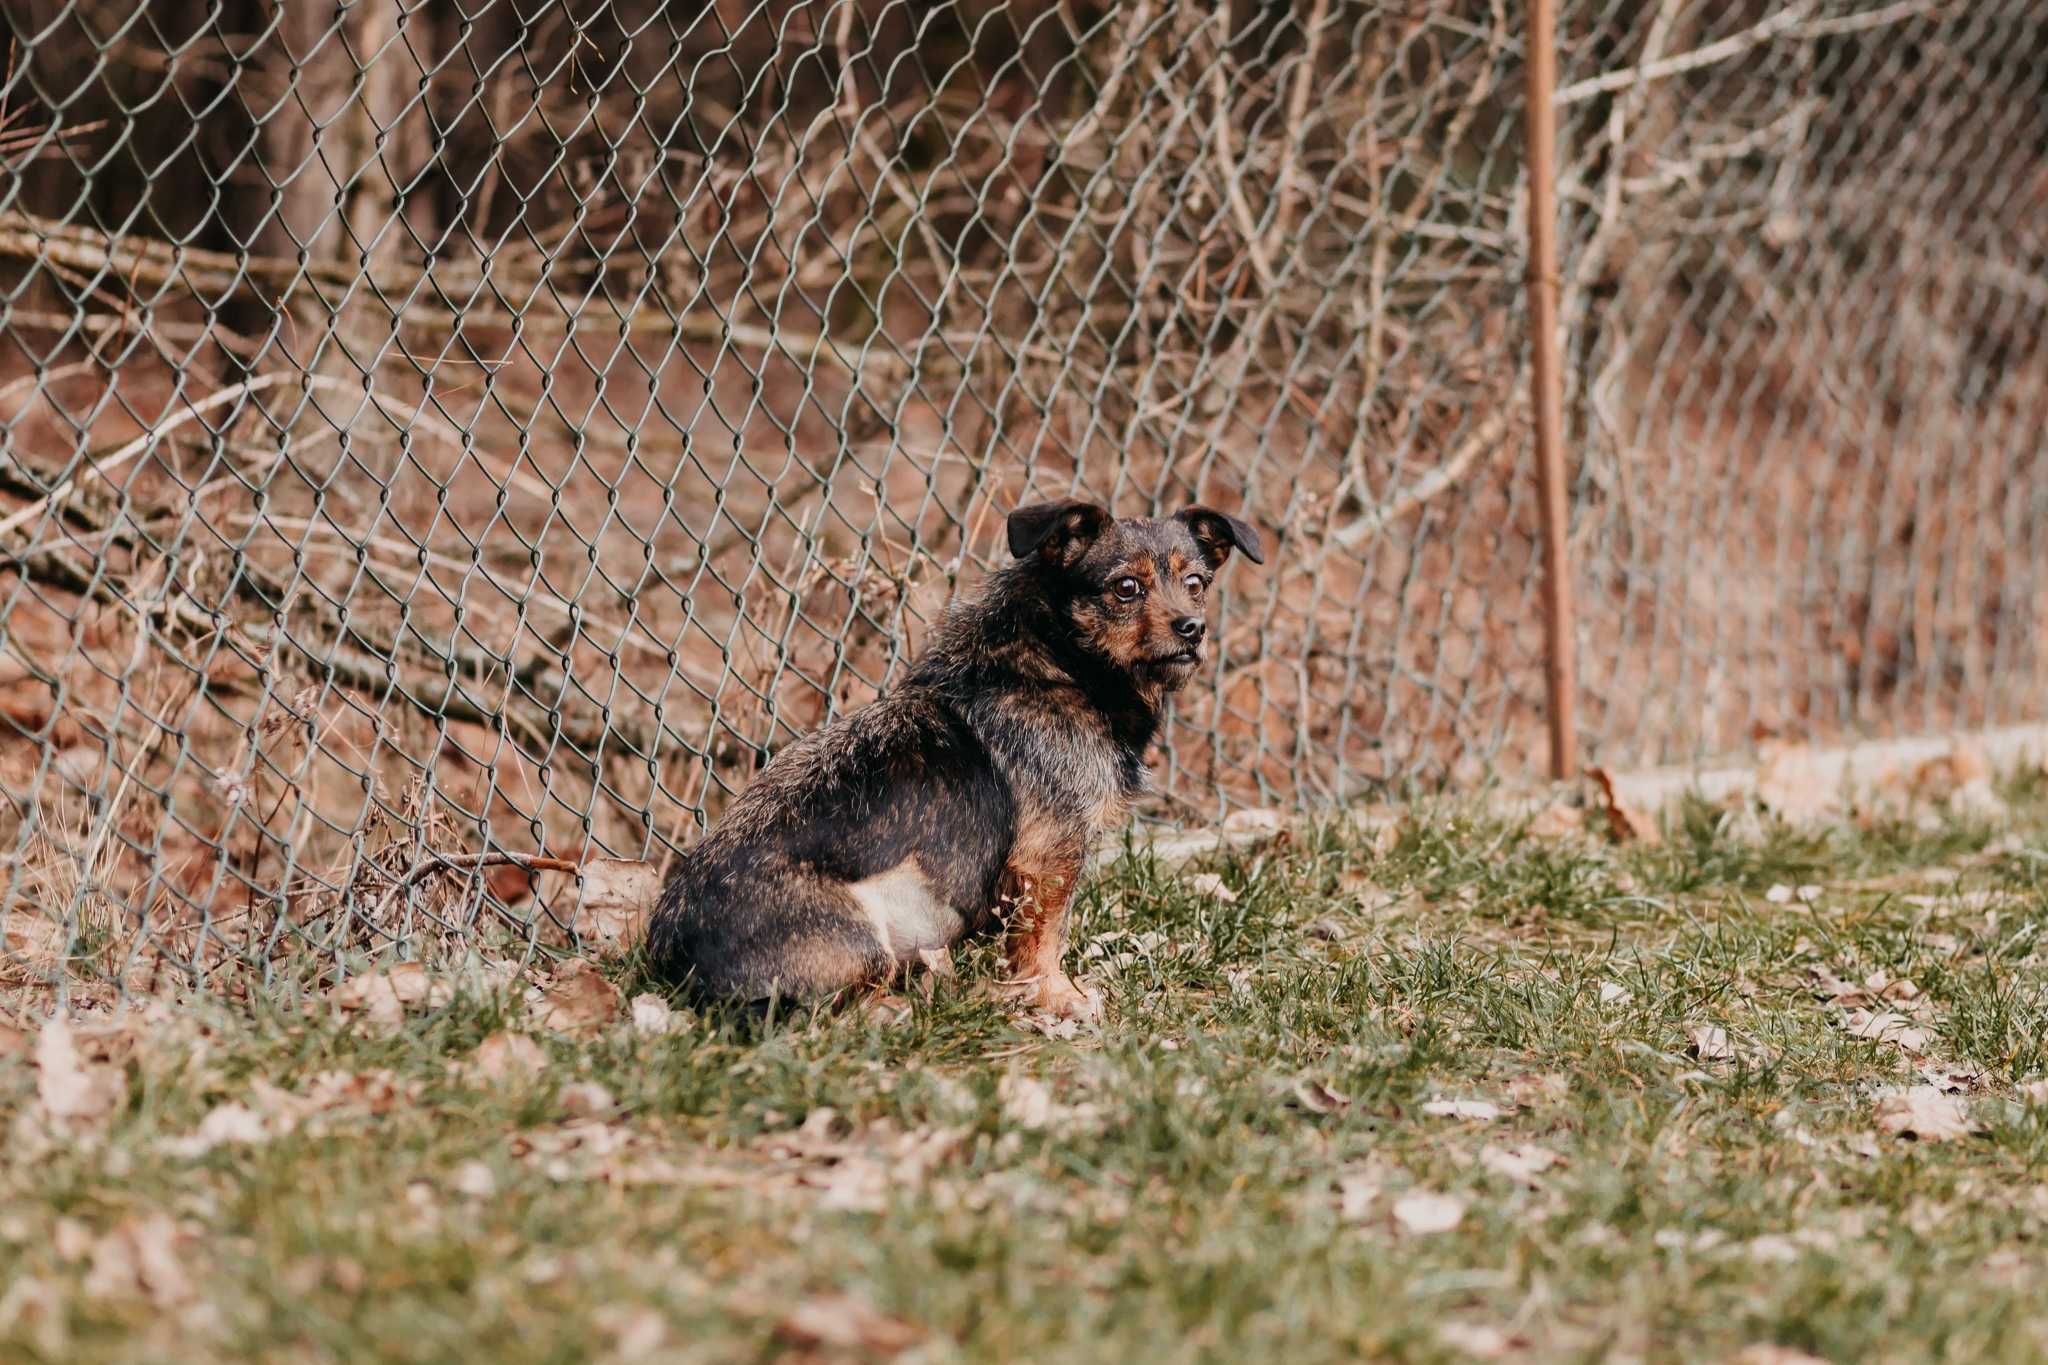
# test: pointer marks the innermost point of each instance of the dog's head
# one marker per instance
(1135, 590)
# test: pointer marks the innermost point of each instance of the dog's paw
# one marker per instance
(1059, 996)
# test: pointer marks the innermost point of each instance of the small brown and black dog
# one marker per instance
(970, 794)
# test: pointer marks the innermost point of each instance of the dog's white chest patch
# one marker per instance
(907, 917)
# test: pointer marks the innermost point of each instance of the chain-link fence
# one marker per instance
(437, 429)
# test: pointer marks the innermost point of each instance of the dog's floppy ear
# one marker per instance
(1056, 529)
(1217, 532)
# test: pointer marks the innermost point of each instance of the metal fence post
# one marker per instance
(1546, 382)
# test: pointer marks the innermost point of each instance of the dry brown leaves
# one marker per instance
(1886, 1026)
(1522, 1164)
(1624, 823)
(841, 1322)
(585, 1100)
(1029, 1103)
(855, 1168)
(383, 998)
(1423, 1213)
(1709, 1043)
(506, 1057)
(1558, 820)
(1477, 1339)
(1878, 988)
(1768, 1353)
(272, 1112)
(654, 1017)
(1792, 786)
(74, 1094)
(1477, 1111)
(1882, 1008)
(227, 1124)
(144, 1256)
(1320, 1098)
(578, 1000)
(613, 899)
(1925, 1113)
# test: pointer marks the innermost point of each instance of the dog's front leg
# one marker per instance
(1040, 896)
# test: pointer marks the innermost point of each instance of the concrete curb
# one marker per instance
(1844, 770)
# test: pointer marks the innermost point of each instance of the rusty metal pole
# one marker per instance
(1546, 385)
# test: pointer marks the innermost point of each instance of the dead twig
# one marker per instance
(434, 863)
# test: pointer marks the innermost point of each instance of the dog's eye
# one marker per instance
(1127, 589)
(1195, 584)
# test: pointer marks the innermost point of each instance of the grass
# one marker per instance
(1220, 1174)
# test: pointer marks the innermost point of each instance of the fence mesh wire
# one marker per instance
(445, 428)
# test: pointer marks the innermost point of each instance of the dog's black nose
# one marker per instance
(1189, 628)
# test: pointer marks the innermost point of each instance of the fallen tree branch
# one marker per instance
(1797, 21)
(1484, 438)
(434, 863)
(435, 678)
(440, 297)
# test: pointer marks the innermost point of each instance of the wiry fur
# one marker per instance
(969, 795)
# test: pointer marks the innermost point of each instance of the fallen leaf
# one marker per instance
(1959, 780)
(614, 897)
(1767, 1353)
(1257, 820)
(475, 1179)
(585, 1100)
(1809, 893)
(1779, 894)
(1791, 784)
(853, 1185)
(373, 1092)
(228, 1123)
(73, 1092)
(1029, 1103)
(35, 1310)
(1475, 1339)
(1948, 1080)
(1560, 820)
(1479, 1110)
(1772, 1249)
(845, 1323)
(635, 1333)
(1209, 884)
(72, 1240)
(1678, 1239)
(506, 1057)
(384, 997)
(1886, 1027)
(141, 1256)
(1425, 1213)
(1709, 1043)
(1318, 1098)
(578, 999)
(1925, 1114)
(1056, 1027)
(1521, 1164)
(1356, 1193)
(1624, 822)
(1614, 993)
(1539, 1087)
(653, 1017)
